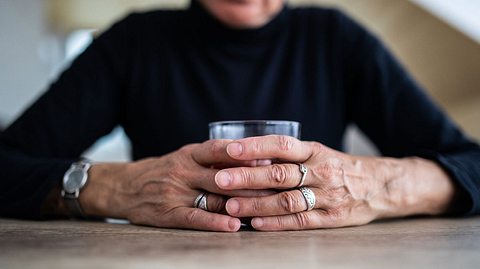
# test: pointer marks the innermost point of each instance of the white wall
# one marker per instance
(31, 56)
(28, 55)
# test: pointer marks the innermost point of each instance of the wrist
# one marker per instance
(416, 186)
(96, 197)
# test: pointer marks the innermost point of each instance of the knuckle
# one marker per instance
(216, 147)
(328, 170)
(278, 174)
(338, 196)
(288, 202)
(278, 223)
(317, 147)
(302, 220)
(187, 148)
(191, 216)
(184, 148)
(246, 176)
(285, 143)
(336, 215)
(256, 206)
(185, 152)
(256, 147)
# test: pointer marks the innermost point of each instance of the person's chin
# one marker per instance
(245, 19)
(238, 13)
(243, 23)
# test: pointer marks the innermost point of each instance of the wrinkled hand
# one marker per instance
(161, 191)
(349, 190)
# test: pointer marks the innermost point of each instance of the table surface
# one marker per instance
(407, 243)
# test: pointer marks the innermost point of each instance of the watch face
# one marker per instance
(75, 180)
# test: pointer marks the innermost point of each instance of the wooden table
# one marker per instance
(409, 243)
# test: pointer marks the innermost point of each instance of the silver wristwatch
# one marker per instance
(74, 180)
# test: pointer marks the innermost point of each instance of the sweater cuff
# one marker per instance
(39, 179)
(463, 171)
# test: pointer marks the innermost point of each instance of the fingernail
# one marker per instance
(234, 149)
(233, 206)
(257, 222)
(234, 224)
(223, 179)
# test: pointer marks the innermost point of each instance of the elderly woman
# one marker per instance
(163, 75)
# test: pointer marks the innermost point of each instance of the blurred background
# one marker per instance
(438, 42)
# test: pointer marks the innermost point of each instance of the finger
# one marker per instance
(215, 203)
(214, 153)
(288, 202)
(315, 219)
(292, 222)
(265, 162)
(270, 147)
(249, 193)
(198, 219)
(275, 176)
(205, 180)
(252, 163)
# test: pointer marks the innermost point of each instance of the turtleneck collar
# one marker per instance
(208, 26)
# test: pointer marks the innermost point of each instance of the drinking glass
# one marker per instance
(247, 128)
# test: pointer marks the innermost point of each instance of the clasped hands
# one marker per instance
(258, 177)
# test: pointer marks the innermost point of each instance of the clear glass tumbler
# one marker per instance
(248, 128)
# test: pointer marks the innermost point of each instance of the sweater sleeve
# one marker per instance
(399, 117)
(84, 104)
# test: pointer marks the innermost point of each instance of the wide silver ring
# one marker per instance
(304, 171)
(201, 201)
(309, 197)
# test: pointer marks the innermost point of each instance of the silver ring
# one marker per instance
(304, 171)
(201, 201)
(309, 197)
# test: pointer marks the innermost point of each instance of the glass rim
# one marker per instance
(248, 122)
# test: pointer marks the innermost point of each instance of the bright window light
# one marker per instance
(461, 14)
(77, 41)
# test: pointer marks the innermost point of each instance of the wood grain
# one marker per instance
(409, 243)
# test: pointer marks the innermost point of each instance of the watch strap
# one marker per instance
(71, 200)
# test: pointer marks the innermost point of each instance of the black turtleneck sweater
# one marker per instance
(164, 75)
